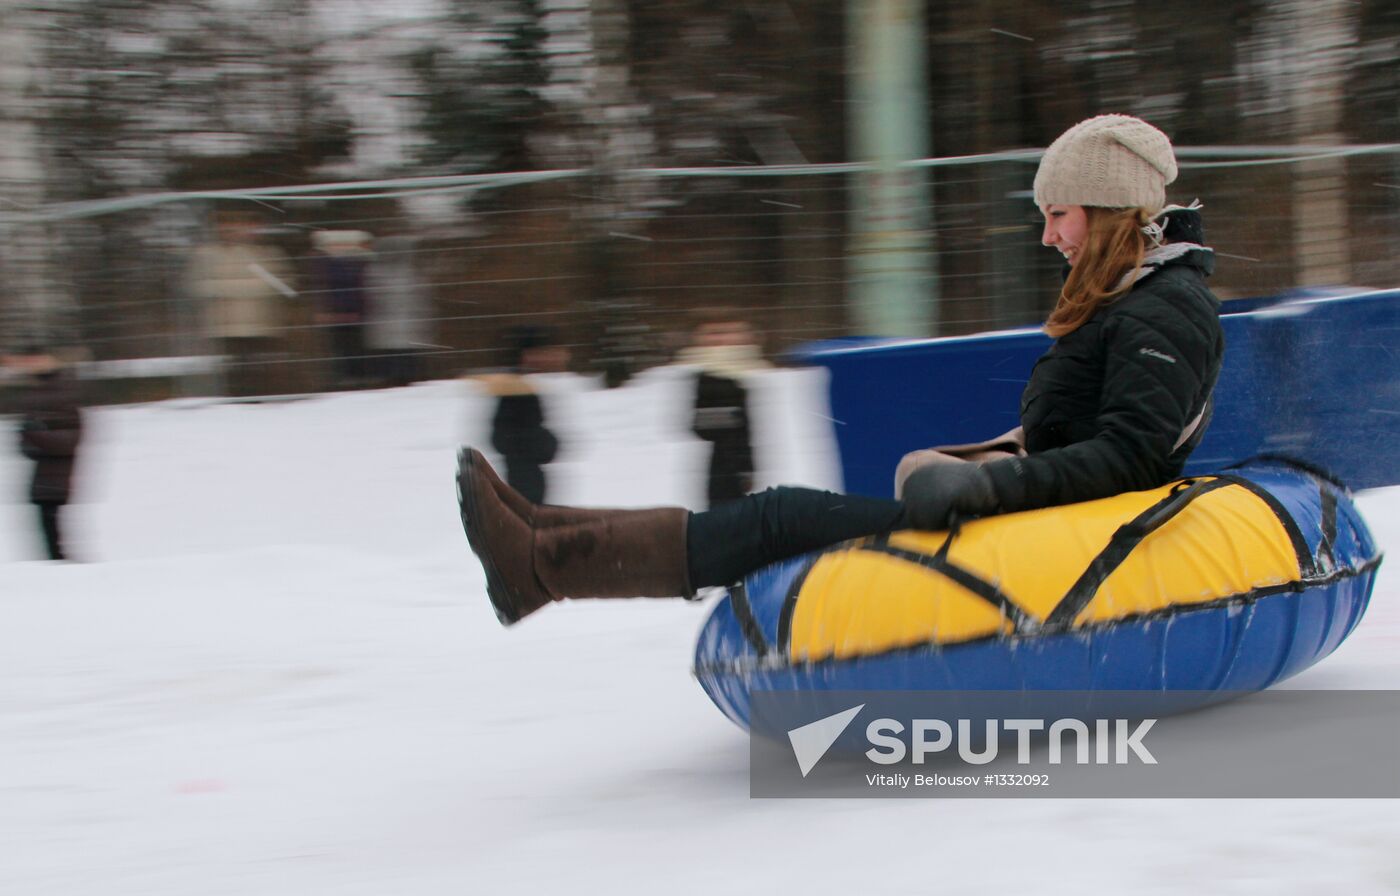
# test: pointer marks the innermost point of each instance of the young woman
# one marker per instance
(1117, 404)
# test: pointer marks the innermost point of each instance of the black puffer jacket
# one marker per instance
(1108, 406)
(519, 433)
(722, 419)
(51, 427)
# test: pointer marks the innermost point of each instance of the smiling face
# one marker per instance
(723, 334)
(1066, 227)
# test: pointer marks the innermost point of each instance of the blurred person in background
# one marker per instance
(518, 428)
(50, 414)
(1117, 404)
(399, 325)
(725, 350)
(240, 283)
(340, 271)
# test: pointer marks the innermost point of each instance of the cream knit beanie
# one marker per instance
(1111, 161)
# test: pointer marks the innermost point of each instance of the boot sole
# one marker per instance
(496, 591)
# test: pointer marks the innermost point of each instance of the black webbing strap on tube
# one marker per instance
(1307, 565)
(748, 623)
(940, 563)
(1128, 537)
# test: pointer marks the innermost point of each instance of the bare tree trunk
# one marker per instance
(1318, 37)
(30, 303)
(621, 138)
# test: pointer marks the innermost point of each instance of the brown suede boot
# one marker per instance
(619, 553)
(611, 553)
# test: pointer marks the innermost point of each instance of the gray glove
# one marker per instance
(937, 494)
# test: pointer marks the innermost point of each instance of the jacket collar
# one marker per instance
(1183, 243)
(1192, 255)
(1180, 237)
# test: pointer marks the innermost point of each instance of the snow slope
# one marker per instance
(278, 674)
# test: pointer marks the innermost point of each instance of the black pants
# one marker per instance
(348, 347)
(398, 366)
(724, 487)
(48, 520)
(247, 372)
(526, 478)
(730, 541)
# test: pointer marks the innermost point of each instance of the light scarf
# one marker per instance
(1161, 252)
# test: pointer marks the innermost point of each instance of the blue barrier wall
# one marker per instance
(1313, 376)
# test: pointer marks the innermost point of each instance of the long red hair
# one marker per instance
(1114, 246)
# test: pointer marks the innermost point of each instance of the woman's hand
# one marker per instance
(935, 495)
(1008, 444)
(917, 460)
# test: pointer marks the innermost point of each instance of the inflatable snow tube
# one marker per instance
(1227, 582)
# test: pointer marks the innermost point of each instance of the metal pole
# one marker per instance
(894, 287)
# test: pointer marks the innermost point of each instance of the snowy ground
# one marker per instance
(277, 673)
